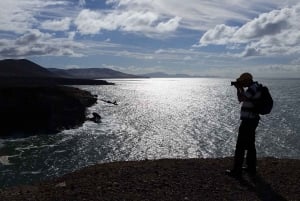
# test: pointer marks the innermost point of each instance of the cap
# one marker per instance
(245, 77)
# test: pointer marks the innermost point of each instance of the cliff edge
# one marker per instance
(167, 179)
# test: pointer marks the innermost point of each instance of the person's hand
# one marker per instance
(238, 85)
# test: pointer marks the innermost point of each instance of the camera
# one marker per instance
(234, 83)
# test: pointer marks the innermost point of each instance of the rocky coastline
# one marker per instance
(37, 109)
(34, 100)
(167, 179)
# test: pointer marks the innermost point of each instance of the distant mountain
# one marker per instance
(92, 73)
(21, 72)
(165, 75)
(23, 68)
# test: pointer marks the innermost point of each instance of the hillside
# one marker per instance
(178, 75)
(32, 100)
(92, 73)
(23, 68)
(20, 72)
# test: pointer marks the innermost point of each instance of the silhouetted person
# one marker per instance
(249, 122)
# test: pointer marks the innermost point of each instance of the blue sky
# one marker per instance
(196, 37)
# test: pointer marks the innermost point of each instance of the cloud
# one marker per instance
(37, 43)
(32, 37)
(201, 15)
(220, 35)
(145, 22)
(276, 70)
(20, 16)
(187, 58)
(132, 69)
(57, 25)
(293, 62)
(169, 26)
(275, 32)
(82, 3)
(164, 18)
(71, 35)
(151, 18)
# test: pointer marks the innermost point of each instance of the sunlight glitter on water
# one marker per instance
(168, 118)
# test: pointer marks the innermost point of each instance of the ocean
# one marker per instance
(154, 119)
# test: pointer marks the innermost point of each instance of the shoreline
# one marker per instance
(167, 179)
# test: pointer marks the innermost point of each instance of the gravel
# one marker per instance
(167, 179)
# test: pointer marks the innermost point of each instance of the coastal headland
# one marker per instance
(35, 101)
(167, 179)
(32, 110)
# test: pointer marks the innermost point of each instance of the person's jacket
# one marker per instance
(248, 98)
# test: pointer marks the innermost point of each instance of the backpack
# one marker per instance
(264, 104)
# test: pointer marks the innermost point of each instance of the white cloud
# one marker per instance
(275, 32)
(187, 58)
(20, 16)
(202, 15)
(57, 25)
(146, 22)
(161, 18)
(169, 26)
(71, 35)
(82, 3)
(147, 17)
(220, 35)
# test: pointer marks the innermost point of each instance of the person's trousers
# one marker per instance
(246, 141)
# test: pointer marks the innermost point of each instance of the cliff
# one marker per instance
(30, 110)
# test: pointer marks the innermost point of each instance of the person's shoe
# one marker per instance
(233, 173)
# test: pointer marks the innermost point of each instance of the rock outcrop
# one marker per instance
(30, 110)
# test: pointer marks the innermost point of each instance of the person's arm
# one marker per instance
(241, 94)
(246, 95)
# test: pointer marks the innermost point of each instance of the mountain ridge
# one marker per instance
(92, 73)
(23, 68)
(23, 72)
(177, 75)
(26, 71)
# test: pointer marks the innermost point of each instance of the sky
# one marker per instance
(195, 37)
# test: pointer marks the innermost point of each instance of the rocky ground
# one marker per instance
(167, 179)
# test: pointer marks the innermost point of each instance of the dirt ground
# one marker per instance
(167, 179)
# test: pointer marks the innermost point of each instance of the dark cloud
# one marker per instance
(38, 43)
(29, 38)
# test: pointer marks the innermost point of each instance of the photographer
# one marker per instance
(249, 122)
